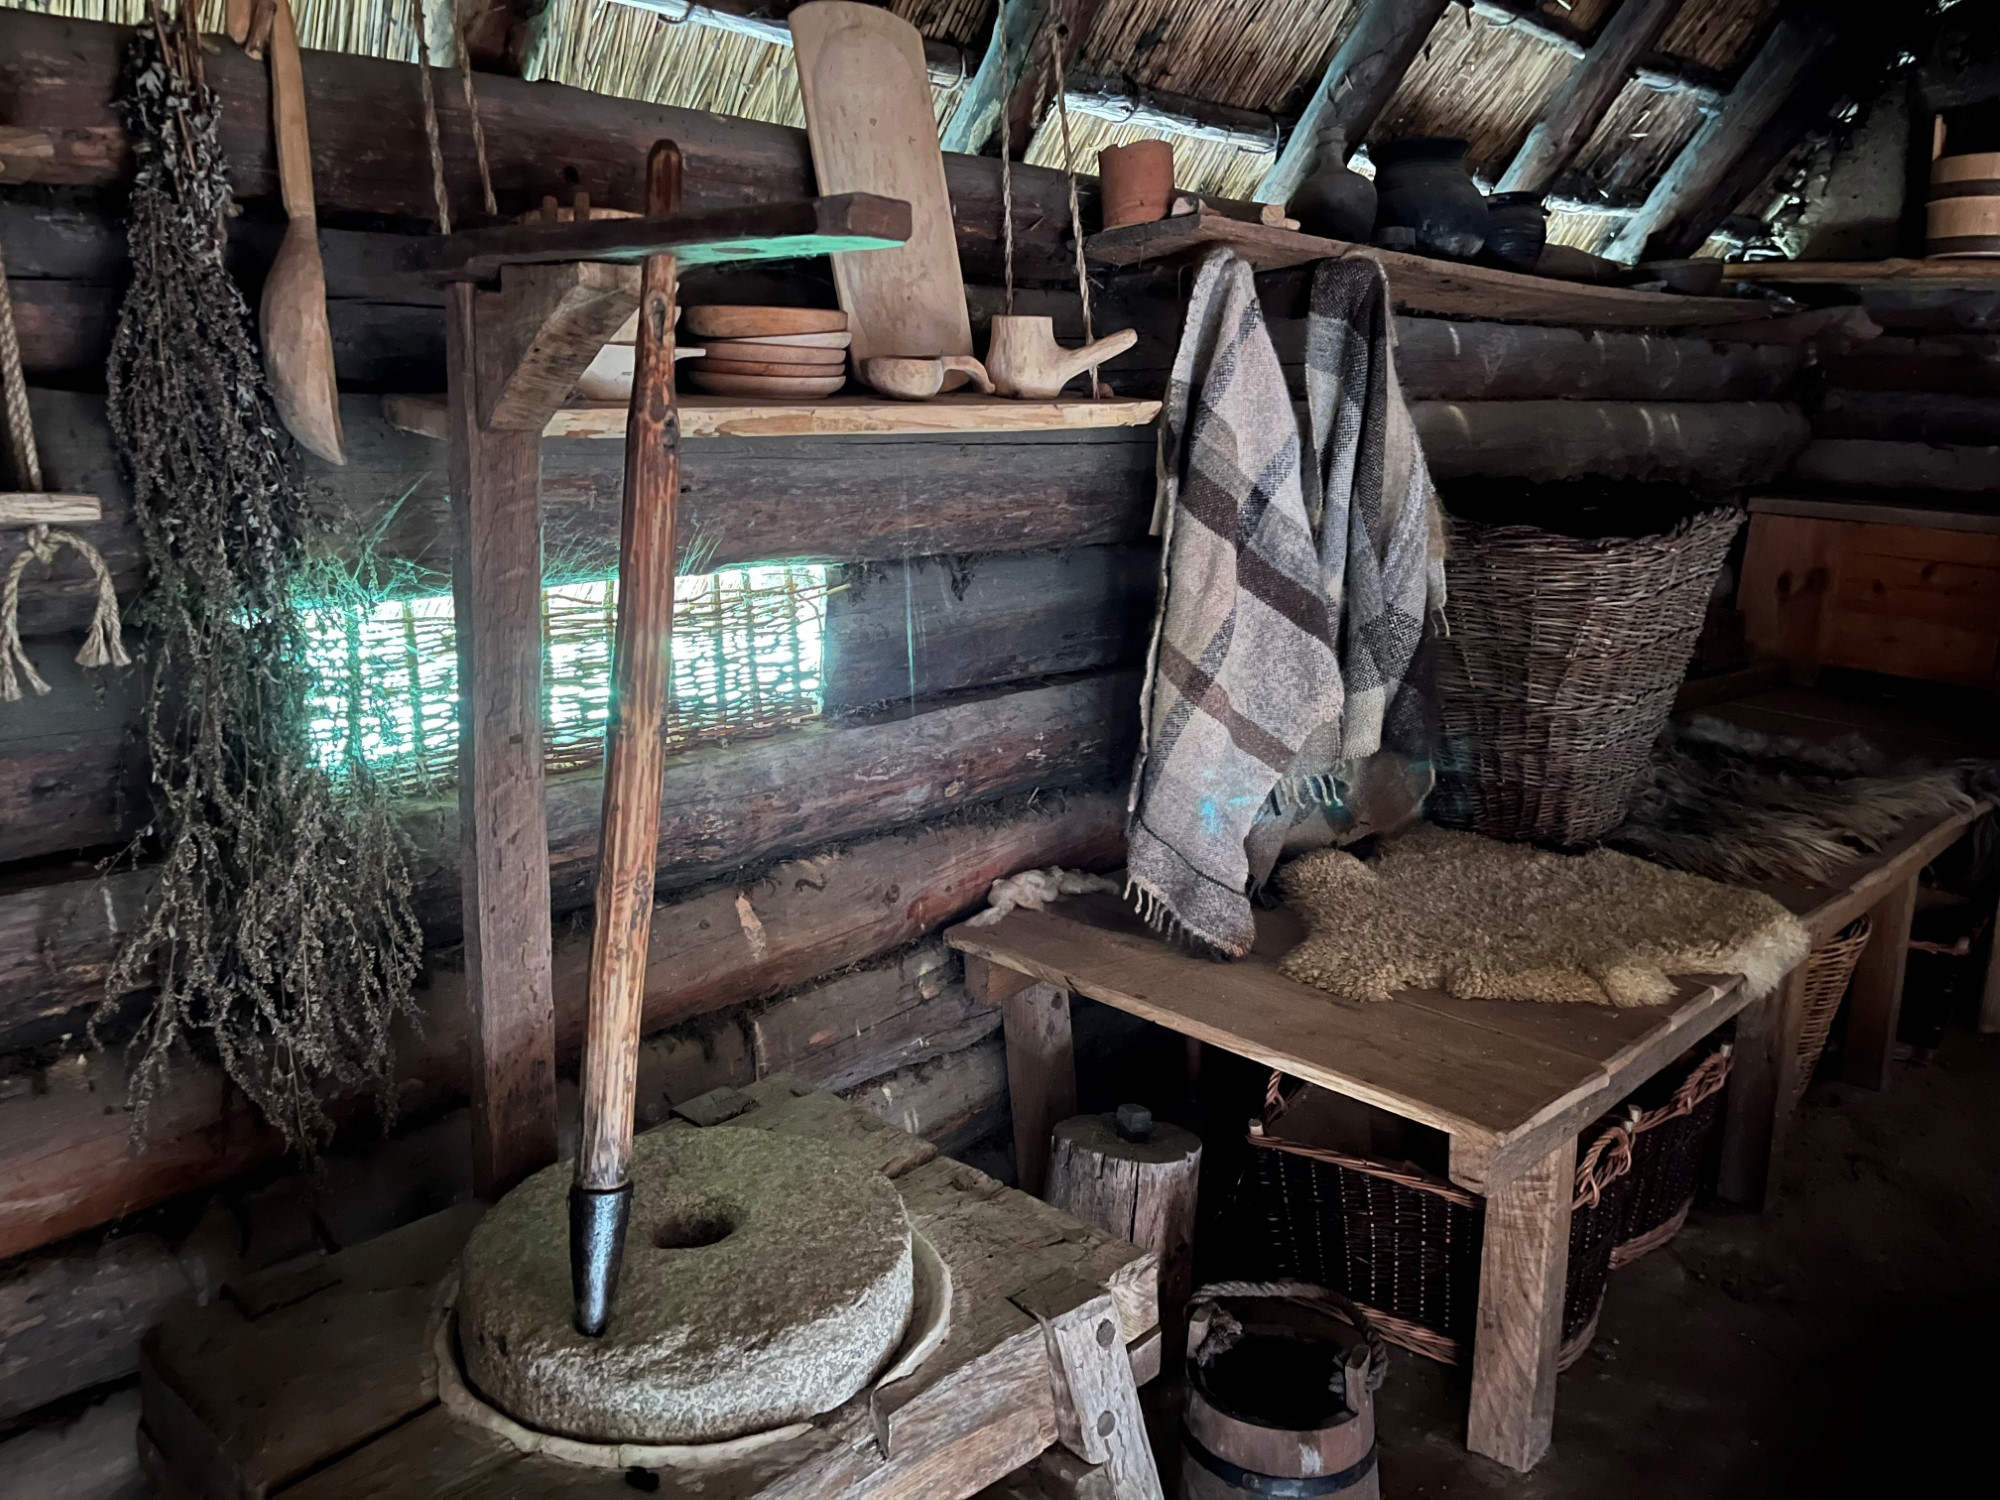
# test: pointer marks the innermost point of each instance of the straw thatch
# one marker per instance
(1583, 231)
(1253, 54)
(1475, 78)
(1200, 166)
(1717, 33)
(1636, 141)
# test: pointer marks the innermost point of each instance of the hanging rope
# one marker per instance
(472, 108)
(102, 646)
(1057, 76)
(438, 195)
(20, 424)
(1006, 157)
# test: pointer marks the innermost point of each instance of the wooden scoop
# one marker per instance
(298, 346)
(910, 379)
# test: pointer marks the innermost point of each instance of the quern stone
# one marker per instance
(766, 1280)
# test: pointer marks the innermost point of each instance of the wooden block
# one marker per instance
(1041, 1075)
(1875, 998)
(1522, 1267)
(20, 508)
(539, 333)
(992, 984)
(1097, 1402)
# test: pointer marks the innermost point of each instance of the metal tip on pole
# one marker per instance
(597, 1220)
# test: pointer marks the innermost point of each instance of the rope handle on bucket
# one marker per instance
(1301, 1293)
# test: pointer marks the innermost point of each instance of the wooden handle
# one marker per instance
(288, 115)
(640, 665)
(966, 365)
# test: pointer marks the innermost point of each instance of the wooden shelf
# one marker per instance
(1419, 284)
(836, 416)
(1939, 274)
(25, 508)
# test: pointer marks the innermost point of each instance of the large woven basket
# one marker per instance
(1829, 970)
(1405, 1245)
(1669, 1147)
(1560, 667)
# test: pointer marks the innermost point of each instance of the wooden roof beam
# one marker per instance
(1360, 77)
(977, 118)
(501, 36)
(1577, 107)
(1663, 71)
(1790, 55)
(766, 22)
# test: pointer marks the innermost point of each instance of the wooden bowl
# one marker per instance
(715, 364)
(809, 360)
(799, 340)
(759, 322)
(771, 387)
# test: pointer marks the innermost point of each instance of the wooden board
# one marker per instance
(20, 508)
(1420, 284)
(1977, 275)
(1884, 512)
(837, 416)
(869, 115)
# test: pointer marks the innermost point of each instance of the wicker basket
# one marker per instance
(1405, 1245)
(1560, 668)
(1669, 1144)
(1829, 969)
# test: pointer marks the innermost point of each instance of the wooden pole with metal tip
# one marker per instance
(600, 1202)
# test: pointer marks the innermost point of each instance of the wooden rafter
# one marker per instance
(977, 118)
(1577, 107)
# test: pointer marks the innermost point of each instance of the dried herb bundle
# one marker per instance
(281, 932)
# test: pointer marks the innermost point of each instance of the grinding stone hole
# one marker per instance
(695, 1226)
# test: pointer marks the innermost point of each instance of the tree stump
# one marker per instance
(1136, 1179)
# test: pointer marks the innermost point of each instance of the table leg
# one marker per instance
(1522, 1269)
(1989, 997)
(1876, 999)
(1041, 1075)
(1763, 1074)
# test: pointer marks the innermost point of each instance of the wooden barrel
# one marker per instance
(1963, 216)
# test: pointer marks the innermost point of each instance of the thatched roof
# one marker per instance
(1487, 72)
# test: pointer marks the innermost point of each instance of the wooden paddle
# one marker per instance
(600, 1199)
(298, 346)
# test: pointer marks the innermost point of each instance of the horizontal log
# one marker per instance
(65, 1166)
(1713, 446)
(932, 627)
(88, 1455)
(847, 499)
(1849, 463)
(1504, 361)
(1909, 417)
(722, 807)
(59, 78)
(1951, 364)
(954, 1100)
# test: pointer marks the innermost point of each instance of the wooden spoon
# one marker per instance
(298, 345)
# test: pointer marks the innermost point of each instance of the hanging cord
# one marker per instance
(20, 423)
(1057, 77)
(1006, 157)
(438, 195)
(472, 108)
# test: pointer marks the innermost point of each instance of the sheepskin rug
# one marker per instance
(1443, 910)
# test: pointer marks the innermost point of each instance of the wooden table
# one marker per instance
(313, 1380)
(1511, 1084)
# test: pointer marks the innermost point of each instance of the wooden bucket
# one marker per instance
(1963, 215)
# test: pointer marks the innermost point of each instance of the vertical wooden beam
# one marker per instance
(1359, 80)
(497, 595)
(1522, 1269)
(1762, 1075)
(1098, 1417)
(1792, 51)
(1875, 1001)
(1041, 1075)
(977, 118)
(1989, 995)
(1582, 101)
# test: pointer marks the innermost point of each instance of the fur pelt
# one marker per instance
(1483, 920)
(1739, 806)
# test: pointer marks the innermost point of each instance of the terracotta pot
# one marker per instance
(1422, 185)
(1335, 201)
(1137, 182)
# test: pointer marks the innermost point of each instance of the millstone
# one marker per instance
(766, 1280)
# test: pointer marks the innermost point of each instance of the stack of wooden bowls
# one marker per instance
(772, 353)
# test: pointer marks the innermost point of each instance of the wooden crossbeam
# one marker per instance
(977, 118)
(1577, 107)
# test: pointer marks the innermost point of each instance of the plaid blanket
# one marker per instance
(1293, 599)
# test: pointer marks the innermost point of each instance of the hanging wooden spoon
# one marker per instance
(298, 346)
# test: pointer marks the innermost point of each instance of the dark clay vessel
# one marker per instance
(1335, 202)
(1423, 186)
(1516, 230)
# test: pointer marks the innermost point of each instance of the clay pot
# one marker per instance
(1335, 201)
(1516, 230)
(1136, 181)
(1422, 185)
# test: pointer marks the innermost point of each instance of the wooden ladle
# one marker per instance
(912, 379)
(298, 345)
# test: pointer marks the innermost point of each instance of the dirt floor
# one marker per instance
(1846, 1341)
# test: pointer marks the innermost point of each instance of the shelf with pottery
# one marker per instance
(1418, 283)
(1942, 274)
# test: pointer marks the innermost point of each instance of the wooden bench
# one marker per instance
(1511, 1084)
(314, 1380)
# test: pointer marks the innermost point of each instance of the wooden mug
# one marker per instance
(1136, 181)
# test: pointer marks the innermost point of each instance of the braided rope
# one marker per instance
(102, 645)
(431, 117)
(1006, 157)
(20, 424)
(1058, 73)
(472, 108)
(1305, 1294)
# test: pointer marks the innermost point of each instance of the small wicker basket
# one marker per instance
(1560, 668)
(1829, 970)
(1669, 1146)
(1404, 1245)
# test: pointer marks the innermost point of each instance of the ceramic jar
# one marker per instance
(1335, 201)
(1423, 186)
(1516, 230)
(1136, 182)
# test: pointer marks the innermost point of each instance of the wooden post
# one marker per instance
(1573, 113)
(1522, 1270)
(1097, 1401)
(642, 652)
(497, 597)
(1359, 80)
(1757, 1111)
(1875, 1002)
(1989, 996)
(1041, 1075)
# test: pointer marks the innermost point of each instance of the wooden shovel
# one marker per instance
(298, 346)
(600, 1199)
